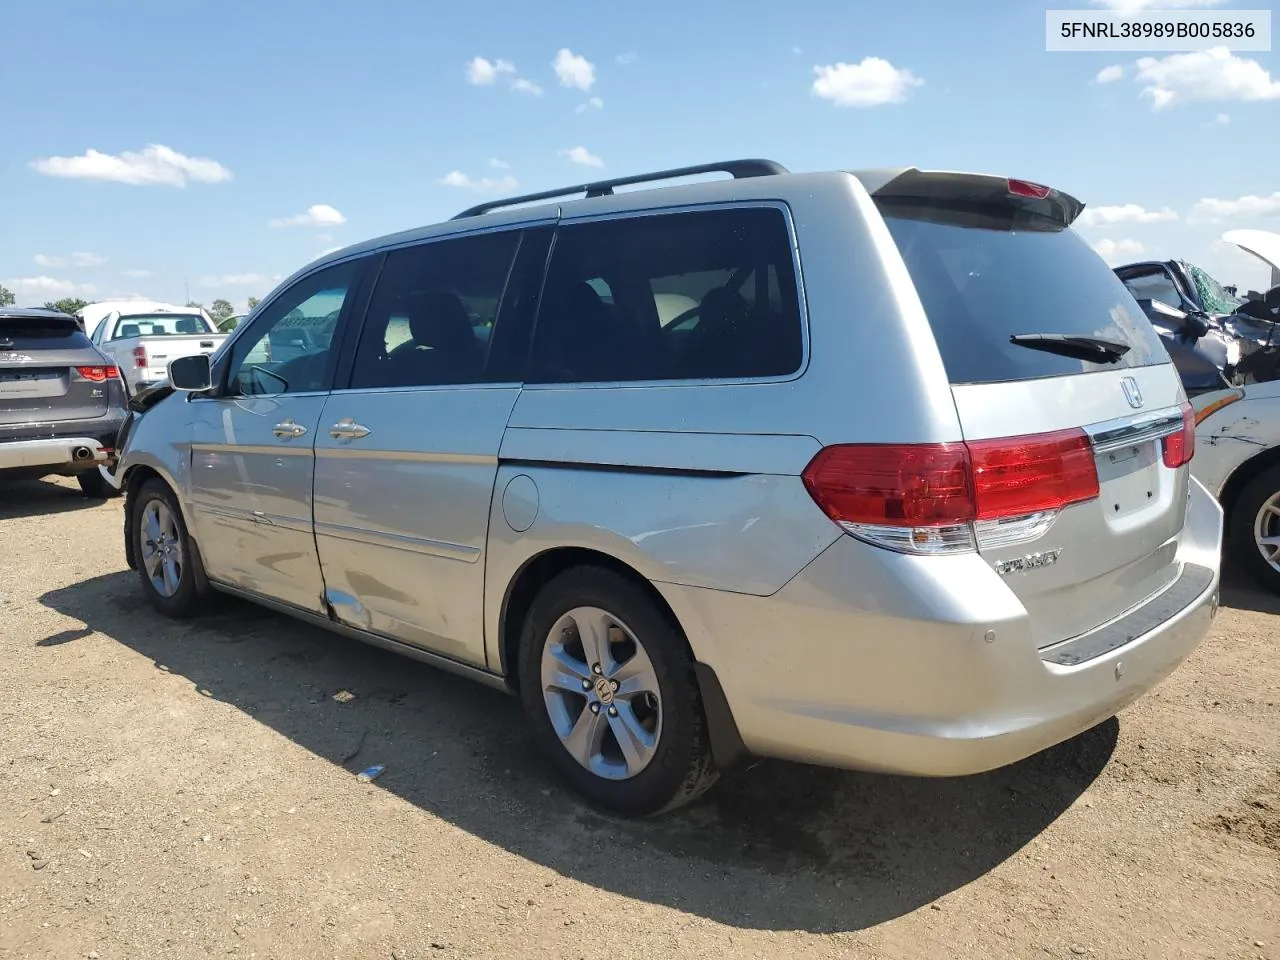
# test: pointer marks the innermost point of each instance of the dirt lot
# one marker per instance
(190, 790)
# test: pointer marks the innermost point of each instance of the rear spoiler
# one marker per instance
(913, 184)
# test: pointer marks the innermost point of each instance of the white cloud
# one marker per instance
(325, 237)
(581, 156)
(595, 103)
(628, 58)
(1130, 6)
(1211, 208)
(45, 288)
(1222, 119)
(1109, 74)
(328, 250)
(317, 215)
(496, 164)
(462, 181)
(797, 50)
(235, 280)
(1204, 76)
(482, 72)
(135, 274)
(75, 260)
(573, 70)
(1117, 251)
(154, 165)
(871, 83)
(1124, 213)
(521, 85)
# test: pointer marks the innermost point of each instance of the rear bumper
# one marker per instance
(72, 445)
(926, 666)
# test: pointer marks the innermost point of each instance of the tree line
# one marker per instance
(220, 310)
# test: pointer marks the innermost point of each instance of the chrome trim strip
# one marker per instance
(1130, 431)
(296, 524)
(266, 449)
(415, 456)
(395, 541)
(479, 674)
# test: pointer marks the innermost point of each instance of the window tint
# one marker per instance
(40, 333)
(986, 274)
(670, 297)
(433, 311)
(288, 349)
(1156, 285)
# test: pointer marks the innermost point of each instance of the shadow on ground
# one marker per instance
(1241, 592)
(37, 498)
(777, 846)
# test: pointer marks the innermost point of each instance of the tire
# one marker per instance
(1256, 514)
(669, 763)
(95, 486)
(181, 591)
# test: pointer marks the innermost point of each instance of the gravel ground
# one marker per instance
(190, 791)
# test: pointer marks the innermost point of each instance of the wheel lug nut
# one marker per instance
(613, 711)
(586, 684)
(613, 684)
(597, 669)
(595, 708)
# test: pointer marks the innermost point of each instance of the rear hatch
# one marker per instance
(49, 371)
(1044, 344)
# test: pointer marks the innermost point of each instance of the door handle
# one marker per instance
(348, 429)
(288, 430)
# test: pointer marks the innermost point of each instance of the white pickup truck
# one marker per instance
(143, 337)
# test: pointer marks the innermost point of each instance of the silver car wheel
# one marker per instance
(601, 693)
(1266, 530)
(161, 548)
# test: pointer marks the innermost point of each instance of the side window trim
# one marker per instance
(264, 316)
(801, 299)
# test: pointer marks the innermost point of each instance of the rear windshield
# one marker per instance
(161, 325)
(986, 275)
(35, 333)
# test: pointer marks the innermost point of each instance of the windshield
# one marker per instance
(1010, 295)
(1212, 295)
(161, 325)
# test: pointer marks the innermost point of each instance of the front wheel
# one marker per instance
(168, 560)
(608, 682)
(1255, 528)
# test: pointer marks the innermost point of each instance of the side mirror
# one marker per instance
(191, 374)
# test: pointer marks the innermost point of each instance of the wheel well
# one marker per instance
(134, 479)
(1243, 475)
(539, 571)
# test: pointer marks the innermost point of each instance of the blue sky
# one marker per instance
(252, 136)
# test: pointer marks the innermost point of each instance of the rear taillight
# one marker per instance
(952, 497)
(98, 374)
(139, 356)
(1180, 447)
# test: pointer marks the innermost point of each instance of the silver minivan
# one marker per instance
(881, 470)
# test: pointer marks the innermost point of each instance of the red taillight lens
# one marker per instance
(1181, 447)
(909, 485)
(948, 484)
(139, 356)
(1025, 188)
(98, 374)
(1019, 475)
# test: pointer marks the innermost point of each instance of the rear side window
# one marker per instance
(160, 325)
(987, 275)
(36, 333)
(679, 296)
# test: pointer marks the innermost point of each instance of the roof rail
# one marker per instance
(738, 169)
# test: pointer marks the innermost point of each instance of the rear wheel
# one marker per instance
(96, 486)
(168, 560)
(608, 682)
(1255, 528)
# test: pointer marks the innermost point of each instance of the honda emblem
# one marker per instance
(1132, 392)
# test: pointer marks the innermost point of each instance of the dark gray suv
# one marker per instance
(62, 401)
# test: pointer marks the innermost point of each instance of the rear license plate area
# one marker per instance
(1129, 479)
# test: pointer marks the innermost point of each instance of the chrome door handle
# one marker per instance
(288, 430)
(348, 429)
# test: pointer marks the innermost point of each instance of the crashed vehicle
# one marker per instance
(1238, 460)
(1215, 338)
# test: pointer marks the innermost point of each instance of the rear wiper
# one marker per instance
(1068, 345)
